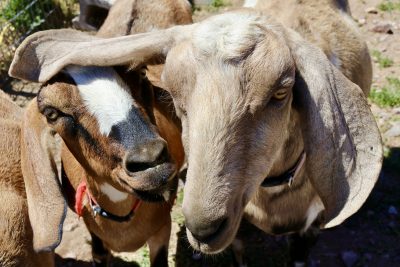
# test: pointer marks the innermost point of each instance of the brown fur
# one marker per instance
(16, 248)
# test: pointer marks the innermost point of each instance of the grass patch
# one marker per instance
(389, 95)
(383, 62)
(218, 3)
(214, 6)
(389, 5)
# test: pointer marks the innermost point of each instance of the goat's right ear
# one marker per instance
(44, 54)
(46, 204)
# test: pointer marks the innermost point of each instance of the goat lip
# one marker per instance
(218, 241)
(152, 179)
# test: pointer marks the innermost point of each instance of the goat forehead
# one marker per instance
(230, 36)
(104, 94)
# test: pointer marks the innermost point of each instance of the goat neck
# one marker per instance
(107, 195)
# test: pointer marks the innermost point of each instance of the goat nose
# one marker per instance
(146, 155)
(205, 232)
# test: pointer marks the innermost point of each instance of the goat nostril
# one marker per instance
(163, 156)
(210, 232)
(137, 166)
(148, 155)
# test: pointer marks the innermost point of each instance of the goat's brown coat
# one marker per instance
(16, 248)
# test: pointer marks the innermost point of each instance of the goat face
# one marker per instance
(234, 105)
(105, 125)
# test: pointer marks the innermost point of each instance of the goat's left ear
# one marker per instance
(44, 54)
(46, 204)
(342, 140)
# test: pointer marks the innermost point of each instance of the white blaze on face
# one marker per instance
(250, 3)
(104, 94)
(112, 193)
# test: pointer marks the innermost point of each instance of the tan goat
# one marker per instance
(328, 25)
(16, 247)
(259, 105)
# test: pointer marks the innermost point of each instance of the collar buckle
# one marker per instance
(288, 177)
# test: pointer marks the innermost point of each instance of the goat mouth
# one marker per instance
(153, 184)
(218, 241)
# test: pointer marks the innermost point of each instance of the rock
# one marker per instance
(371, 10)
(383, 28)
(361, 22)
(201, 2)
(392, 209)
(349, 258)
(394, 131)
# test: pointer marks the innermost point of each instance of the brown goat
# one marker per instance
(118, 158)
(111, 148)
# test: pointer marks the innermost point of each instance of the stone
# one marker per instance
(349, 258)
(371, 10)
(383, 28)
(394, 131)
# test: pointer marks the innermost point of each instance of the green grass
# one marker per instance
(25, 19)
(218, 3)
(389, 5)
(389, 95)
(214, 6)
(383, 62)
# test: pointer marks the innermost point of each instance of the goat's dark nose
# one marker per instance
(146, 155)
(206, 231)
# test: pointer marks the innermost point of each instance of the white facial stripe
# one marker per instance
(112, 193)
(104, 94)
(250, 3)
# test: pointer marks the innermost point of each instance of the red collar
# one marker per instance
(79, 195)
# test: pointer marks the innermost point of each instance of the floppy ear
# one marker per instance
(44, 54)
(46, 204)
(342, 140)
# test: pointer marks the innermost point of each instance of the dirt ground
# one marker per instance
(369, 238)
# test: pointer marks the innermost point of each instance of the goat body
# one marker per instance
(16, 248)
(328, 25)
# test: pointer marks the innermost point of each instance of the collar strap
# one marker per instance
(97, 209)
(287, 177)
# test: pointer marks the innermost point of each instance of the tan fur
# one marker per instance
(325, 24)
(136, 16)
(225, 75)
(16, 248)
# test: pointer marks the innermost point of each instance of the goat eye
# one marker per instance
(280, 94)
(51, 114)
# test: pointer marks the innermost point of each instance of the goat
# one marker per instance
(86, 11)
(75, 89)
(260, 106)
(15, 231)
(111, 151)
(328, 25)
